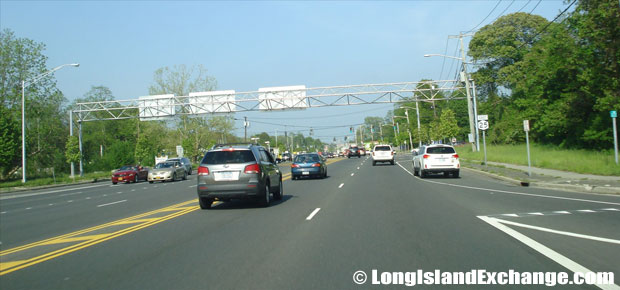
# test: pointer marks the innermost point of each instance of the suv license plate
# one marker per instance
(225, 175)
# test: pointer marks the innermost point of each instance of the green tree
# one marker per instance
(72, 149)
(22, 59)
(448, 127)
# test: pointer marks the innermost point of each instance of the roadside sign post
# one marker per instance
(526, 128)
(483, 125)
(614, 116)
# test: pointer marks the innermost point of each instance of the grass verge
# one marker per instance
(574, 160)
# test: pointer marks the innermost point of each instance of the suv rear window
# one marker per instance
(383, 148)
(228, 157)
(440, 150)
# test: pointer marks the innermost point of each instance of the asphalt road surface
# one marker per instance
(360, 218)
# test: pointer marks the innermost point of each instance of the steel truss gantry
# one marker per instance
(225, 103)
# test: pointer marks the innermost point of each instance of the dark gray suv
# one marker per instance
(234, 171)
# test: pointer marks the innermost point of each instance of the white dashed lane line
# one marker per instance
(111, 203)
(352, 174)
(313, 213)
(341, 185)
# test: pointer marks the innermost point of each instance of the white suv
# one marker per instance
(436, 158)
(382, 153)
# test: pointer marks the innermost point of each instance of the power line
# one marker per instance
(546, 26)
(535, 6)
(323, 117)
(499, 1)
(528, 2)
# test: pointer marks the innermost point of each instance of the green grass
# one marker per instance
(575, 160)
(61, 179)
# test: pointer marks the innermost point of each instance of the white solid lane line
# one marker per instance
(510, 192)
(46, 192)
(341, 185)
(549, 253)
(111, 203)
(548, 230)
(313, 213)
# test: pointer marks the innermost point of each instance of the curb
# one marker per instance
(563, 187)
(20, 189)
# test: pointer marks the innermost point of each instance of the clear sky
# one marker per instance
(248, 45)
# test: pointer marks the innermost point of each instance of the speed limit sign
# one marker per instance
(483, 125)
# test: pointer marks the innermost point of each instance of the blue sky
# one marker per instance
(248, 45)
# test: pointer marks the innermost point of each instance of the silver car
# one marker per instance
(167, 171)
(238, 172)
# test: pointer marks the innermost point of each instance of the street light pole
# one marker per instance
(465, 78)
(34, 80)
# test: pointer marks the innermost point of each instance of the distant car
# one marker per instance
(330, 155)
(382, 153)
(362, 152)
(309, 164)
(185, 162)
(436, 158)
(286, 156)
(167, 171)
(129, 173)
(235, 171)
(341, 154)
(353, 152)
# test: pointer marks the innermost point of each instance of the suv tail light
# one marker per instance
(294, 165)
(252, 169)
(455, 156)
(203, 170)
(391, 152)
(425, 156)
(316, 165)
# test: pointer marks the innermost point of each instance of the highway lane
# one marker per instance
(369, 218)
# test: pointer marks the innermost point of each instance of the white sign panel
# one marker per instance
(179, 151)
(526, 125)
(483, 117)
(156, 107)
(483, 125)
(212, 102)
(279, 98)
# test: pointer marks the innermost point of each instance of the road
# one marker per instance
(362, 217)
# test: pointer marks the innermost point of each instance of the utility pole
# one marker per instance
(476, 117)
(409, 127)
(417, 110)
(465, 78)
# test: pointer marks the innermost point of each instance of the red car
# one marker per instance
(130, 173)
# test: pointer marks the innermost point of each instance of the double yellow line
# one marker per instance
(18, 258)
(13, 259)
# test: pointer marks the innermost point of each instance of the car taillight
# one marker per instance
(425, 156)
(455, 156)
(203, 170)
(252, 168)
(294, 165)
(316, 165)
(391, 152)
